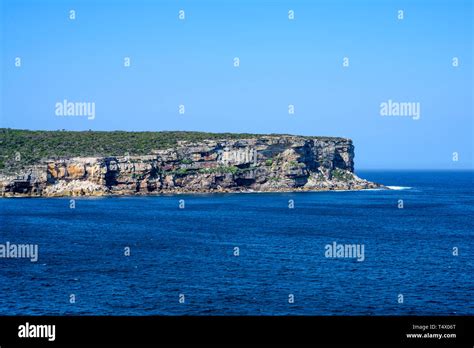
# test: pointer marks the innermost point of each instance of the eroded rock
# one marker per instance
(266, 163)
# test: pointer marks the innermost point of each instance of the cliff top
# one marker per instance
(19, 147)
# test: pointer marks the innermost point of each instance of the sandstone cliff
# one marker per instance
(264, 163)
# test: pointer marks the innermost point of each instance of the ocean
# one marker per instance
(248, 254)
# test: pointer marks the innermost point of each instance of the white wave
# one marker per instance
(399, 187)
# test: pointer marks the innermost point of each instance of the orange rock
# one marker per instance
(76, 171)
(61, 172)
(52, 170)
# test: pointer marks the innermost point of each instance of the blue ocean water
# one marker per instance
(191, 252)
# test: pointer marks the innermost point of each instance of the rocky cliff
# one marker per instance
(263, 163)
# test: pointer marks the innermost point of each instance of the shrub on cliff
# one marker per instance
(19, 148)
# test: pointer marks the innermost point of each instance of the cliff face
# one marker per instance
(266, 163)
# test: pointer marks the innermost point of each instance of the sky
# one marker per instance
(283, 61)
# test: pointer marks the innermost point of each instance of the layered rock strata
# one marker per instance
(266, 163)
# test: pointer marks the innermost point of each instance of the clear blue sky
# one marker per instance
(283, 62)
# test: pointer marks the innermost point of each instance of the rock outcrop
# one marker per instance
(266, 163)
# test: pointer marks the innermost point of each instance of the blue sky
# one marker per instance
(282, 62)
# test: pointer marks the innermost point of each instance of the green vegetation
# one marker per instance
(293, 163)
(19, 148)
(220, 170)
(230, 169)
(216, 170)
(341, 175)
(321, 177)
(23, 147)
(181, 171)
(245, 170)
(186, 161)
(269, 162)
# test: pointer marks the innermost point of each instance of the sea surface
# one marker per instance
(185, 261)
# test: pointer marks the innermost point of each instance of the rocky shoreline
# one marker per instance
(258, 164)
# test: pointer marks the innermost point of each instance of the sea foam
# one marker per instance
(399, 187)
